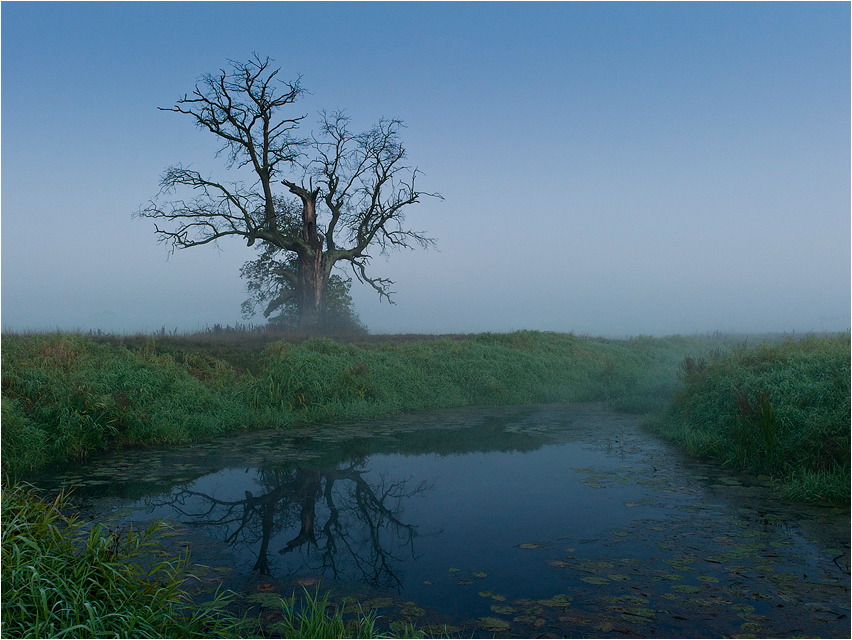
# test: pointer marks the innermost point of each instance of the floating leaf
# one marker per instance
(502, 608)
(745, 608)
(708, 579)
(464, 581)
(429, 582)
(480, 574)
(485, 594)
(267, 586)
(558, 563)
(529, 545)
(494, 624)
(266, 600)
(453, 570)
(498, 597)
(686, 588)
(618, 577)
(378, 603)
(594, 580)
(559, 600)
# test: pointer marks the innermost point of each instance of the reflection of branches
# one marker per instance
(337, 505)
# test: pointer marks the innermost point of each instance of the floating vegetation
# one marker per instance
(685, 588)
(494, 624)
(503, 609)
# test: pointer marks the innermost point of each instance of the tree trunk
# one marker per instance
(313, 276)
(312, 284)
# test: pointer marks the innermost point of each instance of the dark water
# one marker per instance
(566, 521)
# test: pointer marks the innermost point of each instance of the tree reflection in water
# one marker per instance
(348, 527)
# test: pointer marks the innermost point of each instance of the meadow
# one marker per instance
(779, 409)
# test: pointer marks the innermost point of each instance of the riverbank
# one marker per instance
(778, 409)
(67, 396)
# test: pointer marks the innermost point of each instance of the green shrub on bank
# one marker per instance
(782, 410)
(61, 580)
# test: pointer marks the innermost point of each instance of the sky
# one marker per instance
(609, 169)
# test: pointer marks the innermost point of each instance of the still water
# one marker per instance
(554, 521)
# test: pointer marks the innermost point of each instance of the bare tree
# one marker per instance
(345, 192)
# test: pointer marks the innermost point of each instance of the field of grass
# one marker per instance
(68, 396)
(782, 410)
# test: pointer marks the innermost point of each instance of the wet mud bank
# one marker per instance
(537, 521)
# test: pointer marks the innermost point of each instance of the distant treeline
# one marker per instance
(67, 396)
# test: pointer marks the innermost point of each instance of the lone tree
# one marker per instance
(344, 193)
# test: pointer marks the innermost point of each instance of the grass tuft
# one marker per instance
(60, 579)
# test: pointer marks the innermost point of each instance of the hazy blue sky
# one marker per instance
(607, 168)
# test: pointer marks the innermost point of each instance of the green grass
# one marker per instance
(67, 396)
(60, 580)
(782, 410)
(315, 617)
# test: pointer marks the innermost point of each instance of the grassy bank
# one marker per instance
(68, 396)
(60, 579)
(782, 410)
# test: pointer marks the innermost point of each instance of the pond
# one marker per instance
(537, 521)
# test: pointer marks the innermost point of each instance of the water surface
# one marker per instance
(556, 520)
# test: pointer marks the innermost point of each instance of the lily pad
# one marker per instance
(529, 545)
(378, 603)
(498, 597)
(594, 580)
(485, 594)
(480, 574)
(686, 588)
(503, 608)
(266, 600)
(494, 624)
(558, 563)
(559, 600)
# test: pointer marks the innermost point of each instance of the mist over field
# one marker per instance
(606, 169)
